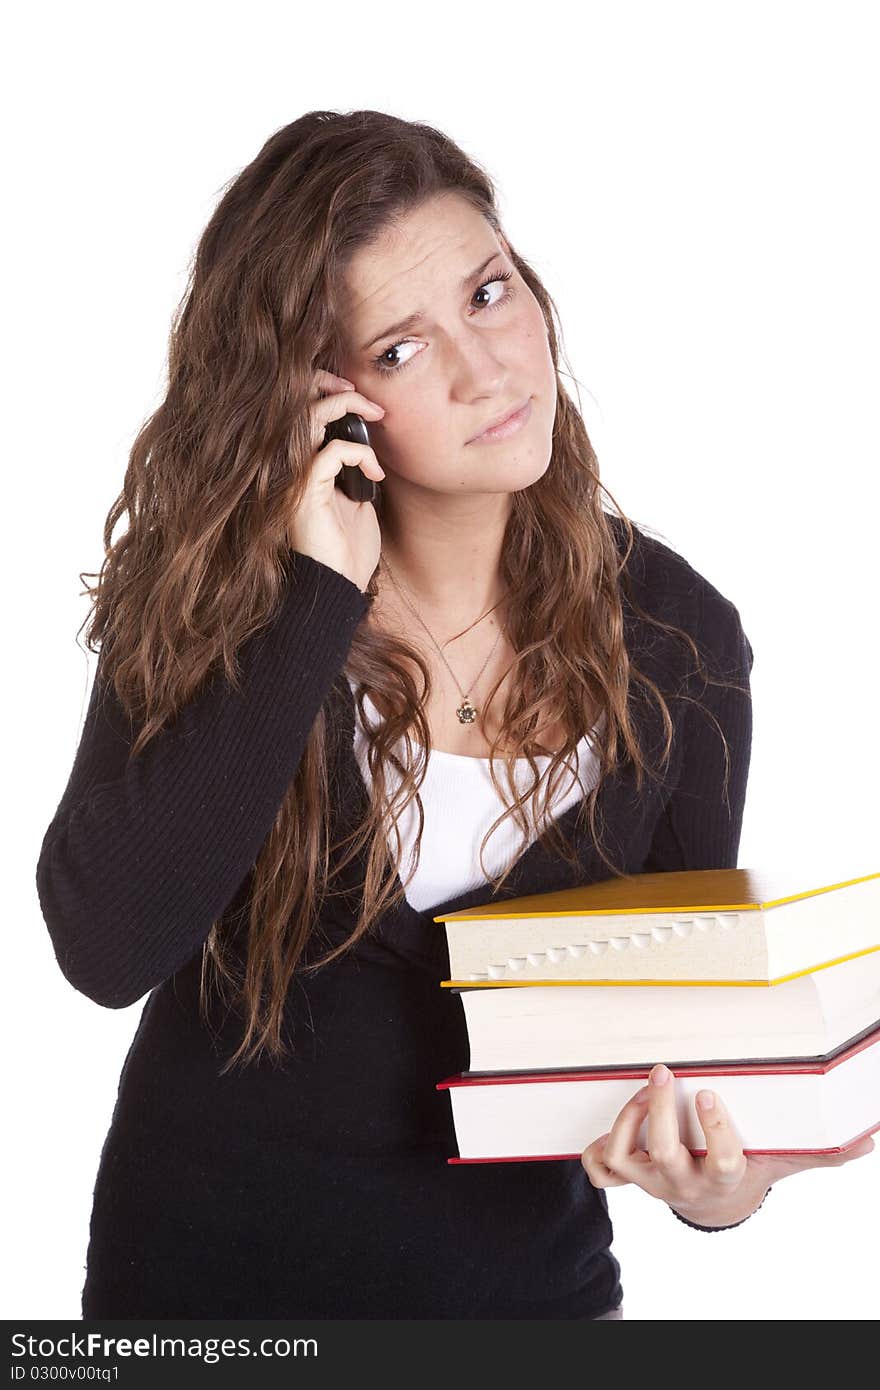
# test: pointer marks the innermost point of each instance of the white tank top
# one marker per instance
(460, 803)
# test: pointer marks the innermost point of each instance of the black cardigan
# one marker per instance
(320, 1187)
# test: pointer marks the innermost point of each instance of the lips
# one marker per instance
(500, 419)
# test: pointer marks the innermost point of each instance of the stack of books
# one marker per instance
(753, 984)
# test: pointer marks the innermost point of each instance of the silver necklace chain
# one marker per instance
(467, 713)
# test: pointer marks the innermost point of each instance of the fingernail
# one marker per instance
(660, 1074)
(345, 381)
(706, 1099)
(643, 1094)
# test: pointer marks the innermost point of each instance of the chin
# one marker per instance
(536, 476)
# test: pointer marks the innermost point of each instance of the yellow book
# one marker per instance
(695, 927)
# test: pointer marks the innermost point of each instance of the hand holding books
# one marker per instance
(721, 1189)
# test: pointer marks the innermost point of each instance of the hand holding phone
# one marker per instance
(328, 523)
(353, 482)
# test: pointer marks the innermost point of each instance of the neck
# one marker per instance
(447, 559)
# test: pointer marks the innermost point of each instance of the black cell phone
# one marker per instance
(353, 481)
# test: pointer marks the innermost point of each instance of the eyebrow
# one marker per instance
(412, 320)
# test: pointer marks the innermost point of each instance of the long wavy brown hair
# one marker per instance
(212, 477)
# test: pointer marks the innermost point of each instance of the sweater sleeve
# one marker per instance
(143, 855)
(700, 827)
(694, 1226)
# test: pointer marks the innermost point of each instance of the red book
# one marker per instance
(808, 1106)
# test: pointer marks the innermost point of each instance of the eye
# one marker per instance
(388, 368)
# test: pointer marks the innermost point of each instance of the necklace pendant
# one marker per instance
(466, 712)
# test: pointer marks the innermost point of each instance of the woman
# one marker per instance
(241, 838)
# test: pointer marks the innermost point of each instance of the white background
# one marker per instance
(697, 184)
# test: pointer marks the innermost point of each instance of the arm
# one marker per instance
(698, 828)
(142, 857)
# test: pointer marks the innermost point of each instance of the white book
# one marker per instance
(577, 1026)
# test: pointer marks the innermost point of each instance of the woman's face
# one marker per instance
(475, 354)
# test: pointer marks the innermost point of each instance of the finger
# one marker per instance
(328, 408)
(663, 1140)
(333, 407)
(725, 1163)
(621, 1153)
(350, 455)
(593, 1164)
(778, 1166)
(860, 1149)
(331, 381)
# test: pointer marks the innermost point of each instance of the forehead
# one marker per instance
(428, 247)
